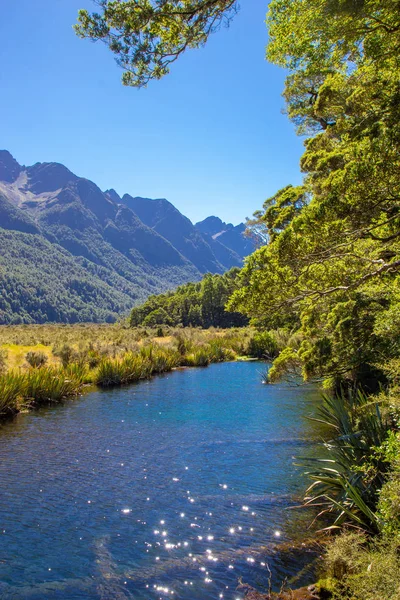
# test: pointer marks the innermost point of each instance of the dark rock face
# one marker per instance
(228, 235)
(126, 248)
(9, 168)
(164, 218)
(112, 194)
(211, 225)
(48, 177)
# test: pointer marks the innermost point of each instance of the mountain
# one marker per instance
(227, 235)
(164, 218)
(70, 252)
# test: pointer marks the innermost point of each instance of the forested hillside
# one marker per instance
(199, 304)
(71, 253)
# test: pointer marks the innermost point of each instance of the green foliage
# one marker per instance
(157, 317)
(10, 392)
(127, 370)
(347, 482)
(389, 496)
(41, 282)
(263, 345)
(199, 358)
(36, 387)
(194, 304)
(49, 384)
(146, 37)
(361, 569)
(333, 257)
(36, 359)
(3, 360)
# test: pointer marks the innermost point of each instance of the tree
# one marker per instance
(334, 254)
(147, 36)
(193, 304)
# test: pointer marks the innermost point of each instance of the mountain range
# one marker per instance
(70, 252)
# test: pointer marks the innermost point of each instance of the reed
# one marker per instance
(10, 393)
(133, 367)
(200, 358)
(49, 384)
(65, 358)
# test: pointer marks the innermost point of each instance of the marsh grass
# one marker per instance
(131, 368)
(11, 385)
(21, 390)
(104, 355)
(49, 384)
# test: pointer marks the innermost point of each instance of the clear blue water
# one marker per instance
(172, 488)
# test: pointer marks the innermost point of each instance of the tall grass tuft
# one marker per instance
(36, 359)
(131, 368)
(49, 384)
(348, 481)
(199, 358)
(11, 386)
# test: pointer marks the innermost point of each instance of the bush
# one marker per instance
(3, 360)
(66, 354)
(362, 570)
(36, 359)
(183, 345)
(10, 391)
(389, 496)
(263, 345)
(200, 358)
(49, 384)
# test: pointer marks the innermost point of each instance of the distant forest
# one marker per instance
(200, 304)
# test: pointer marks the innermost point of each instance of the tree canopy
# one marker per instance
(334, 252)
(199, 304)
(147, 36)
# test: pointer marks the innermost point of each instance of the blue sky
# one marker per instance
(210, 137)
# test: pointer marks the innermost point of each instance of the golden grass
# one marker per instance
(78, 355)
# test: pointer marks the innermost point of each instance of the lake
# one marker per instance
(171, 488)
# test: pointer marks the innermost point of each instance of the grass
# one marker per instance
(360, 568)
(74, 356)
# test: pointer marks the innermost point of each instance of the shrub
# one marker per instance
(361, 570)
(10, 391)
(131, 368)
(182, 344)
(36, 359)
(3, 360)
(49, 384)
(66, 354)
(199, 358)
(263, 345)
(389, 496)
(347, 483)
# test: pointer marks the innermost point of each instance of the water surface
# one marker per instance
(172, 488)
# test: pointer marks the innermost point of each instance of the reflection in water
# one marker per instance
(173, 488)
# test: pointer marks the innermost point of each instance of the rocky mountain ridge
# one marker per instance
(114, 251)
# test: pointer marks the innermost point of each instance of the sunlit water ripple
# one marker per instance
(173, 488)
